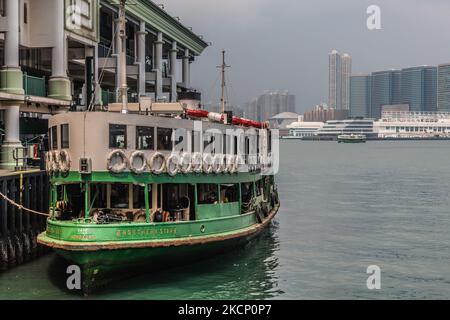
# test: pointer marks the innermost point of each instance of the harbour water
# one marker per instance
(344, 207)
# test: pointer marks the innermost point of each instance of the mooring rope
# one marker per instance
(21, 207)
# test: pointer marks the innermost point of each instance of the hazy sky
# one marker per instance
(284, 44)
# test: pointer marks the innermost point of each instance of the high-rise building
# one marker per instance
(385, 90)
(443, 77)
(346, 71)
(339, 71)
(360, 91)
(419, 88)
(334, 80)
(270, 103)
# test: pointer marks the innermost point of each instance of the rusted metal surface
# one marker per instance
(18, 229)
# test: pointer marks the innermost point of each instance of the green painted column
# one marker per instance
(86, 200)
(59, 88)
(11, 80)
(147, 205)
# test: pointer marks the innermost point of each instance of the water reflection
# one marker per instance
(245, 273)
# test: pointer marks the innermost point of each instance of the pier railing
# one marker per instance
(19, 229)
(34, 86)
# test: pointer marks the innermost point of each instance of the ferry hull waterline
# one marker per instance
(104, 262)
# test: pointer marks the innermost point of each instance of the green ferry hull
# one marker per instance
(102, 263)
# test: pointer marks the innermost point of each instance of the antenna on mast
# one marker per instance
(222, 95)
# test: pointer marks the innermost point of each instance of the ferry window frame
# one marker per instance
(210, 188)
(161, 131)
(195, 141)
(113, 143)
(95, 202)
(139, 203)
(115, 205)
(146, 130)
(65, 136)
(54, 137)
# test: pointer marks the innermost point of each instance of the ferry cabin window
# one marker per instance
(259, 187)
(54, 137)
(99, 196)
(119, 196)
(235, 145)
(164, 139)
(117, 136)
(65, 136)
(145, 138)
(207, 193)
(139, 197)
(246, 189)
(229, 193)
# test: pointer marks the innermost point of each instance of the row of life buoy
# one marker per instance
(57, 161)
(173, 164)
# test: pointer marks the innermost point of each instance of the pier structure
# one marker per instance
(60, 55)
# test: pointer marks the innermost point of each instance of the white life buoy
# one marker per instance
(64, 161)
(238, 163)
(117, 161)
(186, 163)
(172, 164)
(217, 163)
(207, 163)
(230, 163)
(55, 161)
(157, 163)
(138, 163)
(197, 162)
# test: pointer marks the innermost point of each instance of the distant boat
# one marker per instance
(352, 138)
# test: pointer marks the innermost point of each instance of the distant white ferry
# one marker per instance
(352, 138)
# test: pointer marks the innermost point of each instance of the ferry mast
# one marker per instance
(223, 84)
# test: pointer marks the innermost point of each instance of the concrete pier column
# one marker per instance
(11, 81)
(118, 47)
(11, 77)
(158, 66)
(140, 57)
(12, 135)
(59, 86)
(97, 87)
(173, 72)
(186, 69)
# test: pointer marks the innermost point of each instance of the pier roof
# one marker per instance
(160, 20)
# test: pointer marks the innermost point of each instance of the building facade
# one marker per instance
(443, 103)
(61, 54)
(346, 71)
(269, 104)
(323, 113)
(385, 90)
(413, 124)
(339, 71)
(360, 95)
(419, 88)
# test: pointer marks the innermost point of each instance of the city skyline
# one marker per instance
(262, 30)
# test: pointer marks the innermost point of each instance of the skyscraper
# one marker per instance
(346, 71)
(360, 90)
(419, 88)
(443, 76)
(339, 71)
(270, 103)
(385, 90)
(334, 80)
